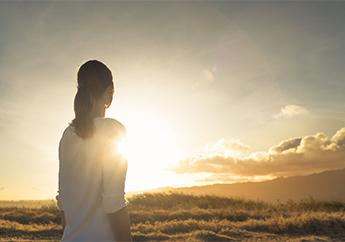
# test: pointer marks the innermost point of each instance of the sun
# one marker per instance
(150, 147)
(122, 146)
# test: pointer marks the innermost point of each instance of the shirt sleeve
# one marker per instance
(114, 172)
(60, 178)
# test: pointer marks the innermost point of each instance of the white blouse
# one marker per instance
(92, 175)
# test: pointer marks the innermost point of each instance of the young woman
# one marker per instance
(92, 171)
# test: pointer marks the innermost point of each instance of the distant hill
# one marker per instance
(328, 185)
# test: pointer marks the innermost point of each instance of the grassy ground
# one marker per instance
(193, 218)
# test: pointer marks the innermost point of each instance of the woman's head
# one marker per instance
(95, 93)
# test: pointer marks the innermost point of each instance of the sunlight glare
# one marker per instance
(150, 147)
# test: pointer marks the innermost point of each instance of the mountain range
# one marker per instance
(327, 185)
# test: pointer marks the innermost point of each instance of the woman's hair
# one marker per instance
(93, 79)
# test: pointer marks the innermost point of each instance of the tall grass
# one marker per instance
(175, 216)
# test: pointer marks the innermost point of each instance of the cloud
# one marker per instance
(286, 145)
(296, 156)
(224, 146)
(289, 111)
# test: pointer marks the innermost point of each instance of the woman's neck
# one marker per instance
(100, 112)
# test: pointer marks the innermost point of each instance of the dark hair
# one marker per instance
(93, 79)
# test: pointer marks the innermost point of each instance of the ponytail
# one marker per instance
(83, 121)
(93, 79)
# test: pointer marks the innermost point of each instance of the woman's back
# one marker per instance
(91, 180)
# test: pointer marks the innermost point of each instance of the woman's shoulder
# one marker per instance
(68, 130)
(111, 126)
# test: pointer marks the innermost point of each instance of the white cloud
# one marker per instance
(289, 111)
(227, 147)
(296, 156)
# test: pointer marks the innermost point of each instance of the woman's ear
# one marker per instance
(108, 96)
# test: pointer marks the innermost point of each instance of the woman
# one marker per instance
(92, 171)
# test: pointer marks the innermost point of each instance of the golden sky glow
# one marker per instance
(150, 147)
(208, 91)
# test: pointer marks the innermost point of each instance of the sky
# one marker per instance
(209, 92)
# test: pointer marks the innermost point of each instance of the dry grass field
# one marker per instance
(176, 216)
